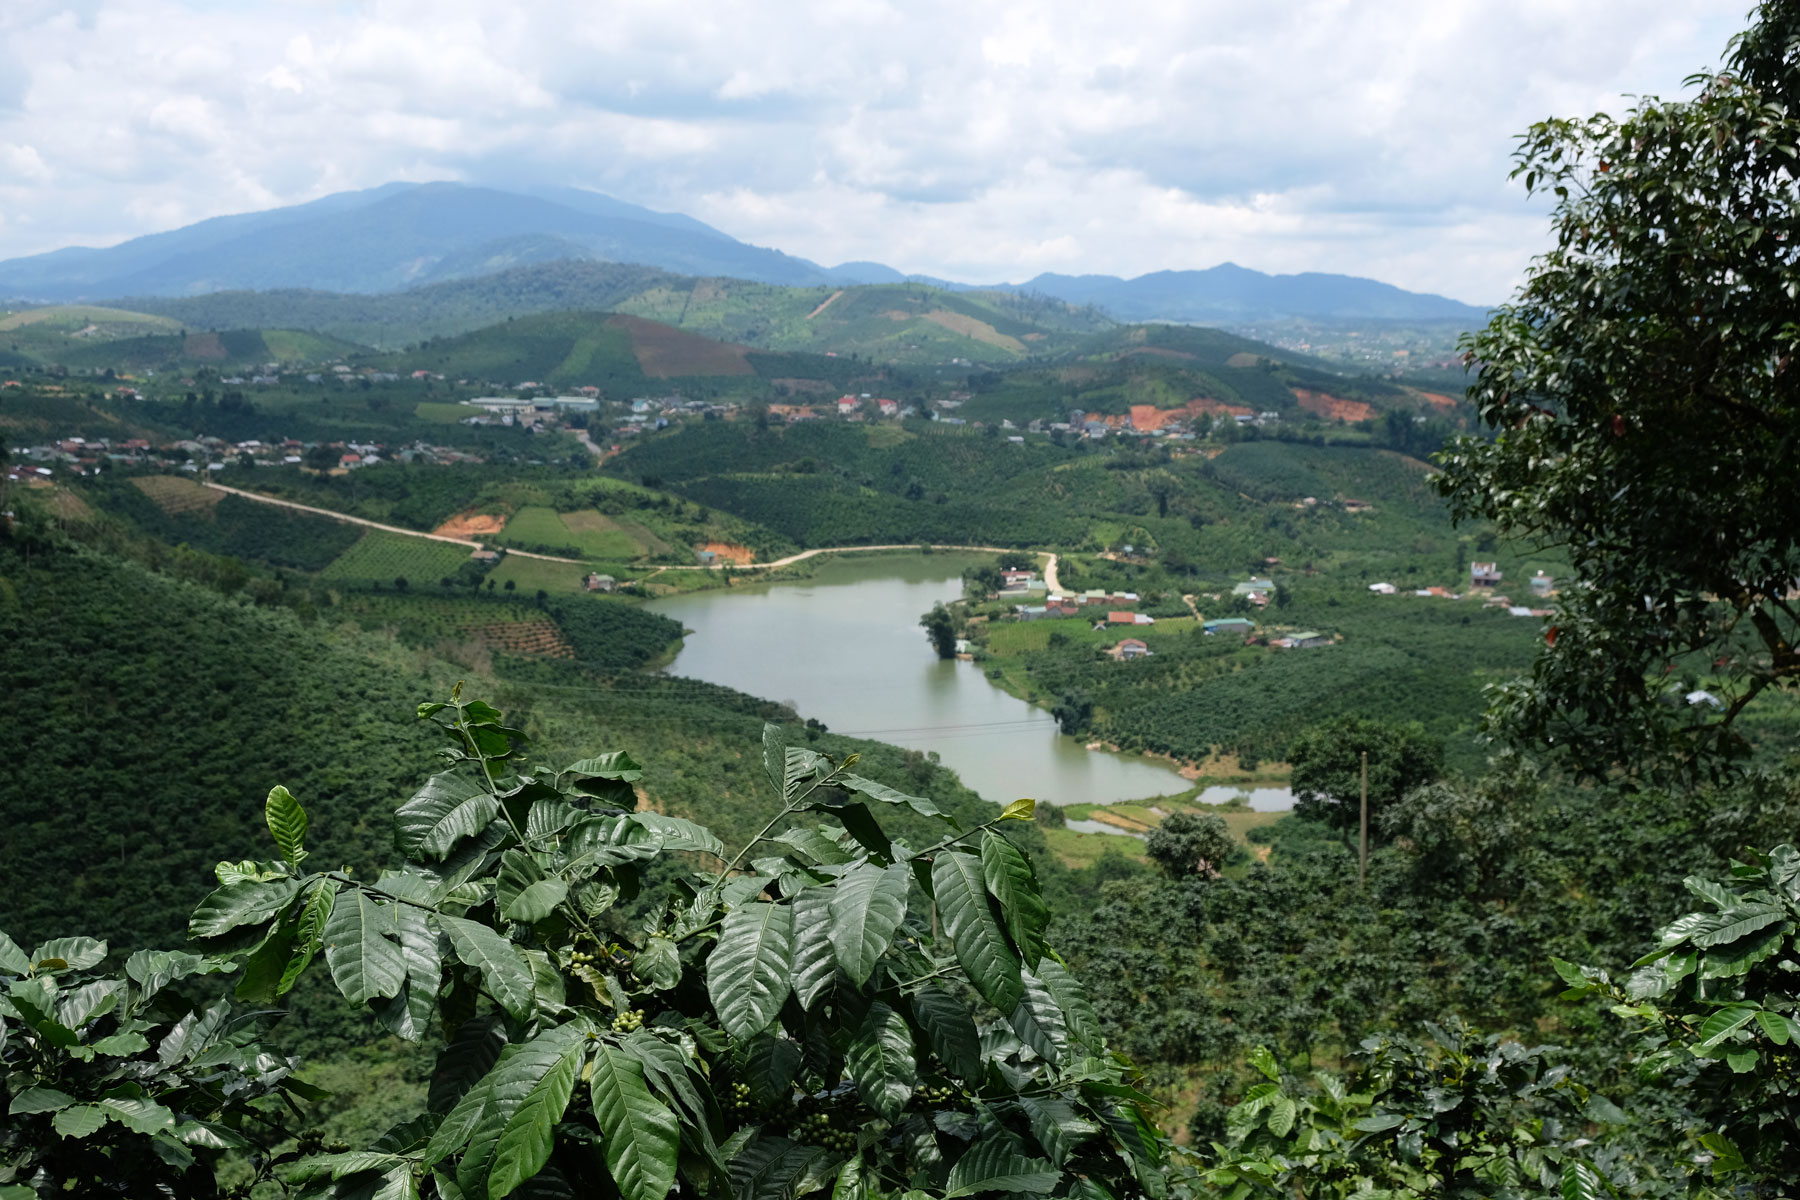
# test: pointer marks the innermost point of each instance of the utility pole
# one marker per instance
(1362, 861)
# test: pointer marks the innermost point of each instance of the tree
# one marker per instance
(1327, 768)
(1072, 711)
(824, 1011)
(1643, 390)
(1187, 844)
(940, 627)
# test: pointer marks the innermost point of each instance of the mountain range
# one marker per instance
(406, 235)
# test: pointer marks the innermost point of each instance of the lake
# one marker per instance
(845, 648)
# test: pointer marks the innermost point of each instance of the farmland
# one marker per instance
(383, 558)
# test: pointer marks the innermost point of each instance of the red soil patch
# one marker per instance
(470, 525)
(1438, 400)
(203, 345)
(1206, 404)
(743, 556)
(1331, 407)
(825, 304)
(534, 635)
(664, 352)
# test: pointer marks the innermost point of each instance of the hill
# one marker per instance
(393, 237)
(1229, 294)
(406, 235)
(615, 352)
(893, 322)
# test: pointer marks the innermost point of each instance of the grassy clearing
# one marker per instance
(532, 575)
(440, 413)
(1077, 850)
(608, 537)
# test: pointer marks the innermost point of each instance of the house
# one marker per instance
(888, 408)
(847, 405)
(1251, 586)
(1121, 618)
(1484, 574)
(1228, 625)
(1541, 584)
(485, 556)
(1307, 639)
(1382, 589)
(707, 557)
(1130, 648)
(601, 583)
(1357, 506)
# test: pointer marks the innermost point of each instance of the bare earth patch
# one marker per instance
(1438, 400)
(471, 525)
(1331, 407)
(824, 304)
(969, 327)
(204, 346)
(743, 556)
(664, 352)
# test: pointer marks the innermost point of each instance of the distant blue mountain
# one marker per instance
(394, 237)
(1230, 294)
(405, 235)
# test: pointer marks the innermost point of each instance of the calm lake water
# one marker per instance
(845, 648)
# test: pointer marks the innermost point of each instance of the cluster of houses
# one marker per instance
(858, 407)
(89, 456)
(1483, 578)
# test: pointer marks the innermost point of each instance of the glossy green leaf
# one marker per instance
(525, 1144)
(994, 1164)
(238, 904)
(658, 963)
(1011, 880)
(815, 962)
(78, 953)
(981, 947)
(949, 1030)
(13, 960)
(449, 808)
(774, 756)
(505, 973)
(364, 960)
(309, 933)
(1263, 1061)
(642, 1139)
(137, 1113)
(1740, 923)
(770, 1064)
(408, 1013)
(1077, 1009)
(867, 906)
(750, 970)
(1056, 1125)
(513, 1078)
(1581, 1182)
(1777, 1028)
(287, 823)
(1722, 1024)
(887, 795)
(676, 833)
(38, 1099)
(880, 1060)
(523, 891)
(79, 1122)
(1039, 1021)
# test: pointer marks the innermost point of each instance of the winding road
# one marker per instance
(801, 556)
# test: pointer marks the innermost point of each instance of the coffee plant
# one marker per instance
(826, 1010)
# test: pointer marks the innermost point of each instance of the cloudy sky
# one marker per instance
(973, 140)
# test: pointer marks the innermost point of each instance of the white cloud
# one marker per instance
(986, 141)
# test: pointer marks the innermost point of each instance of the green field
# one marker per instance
(589, 533)
(531, 575)
(381, 558)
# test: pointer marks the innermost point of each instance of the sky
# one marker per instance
(976, 141)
